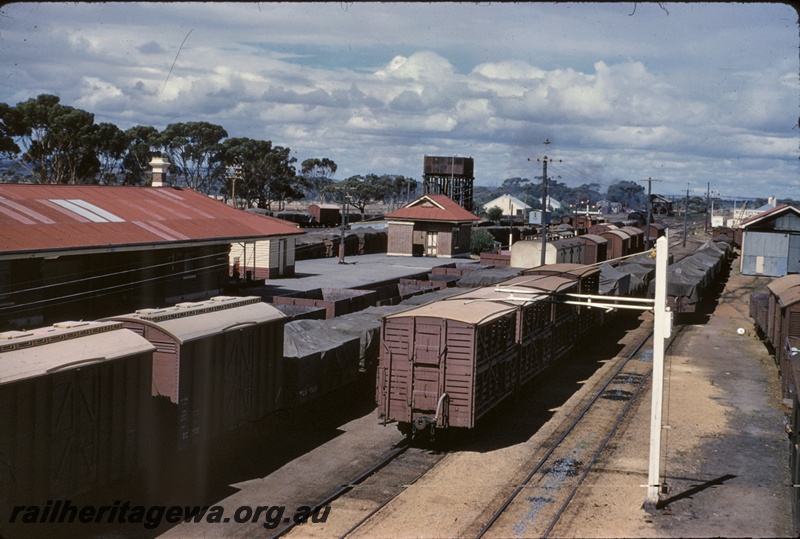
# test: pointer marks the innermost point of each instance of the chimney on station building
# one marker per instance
(160, 165)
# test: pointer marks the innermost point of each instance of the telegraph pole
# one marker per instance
(708, 198)
(649, 204)
(686, 217)
(544, 162)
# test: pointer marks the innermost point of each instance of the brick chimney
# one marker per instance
(160, 165)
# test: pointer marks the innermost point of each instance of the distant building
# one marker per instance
(71, 252)
(511, 206)
(771, 242)
(609, 207)
(432, 225)
(660, 205)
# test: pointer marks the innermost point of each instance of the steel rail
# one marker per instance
(343, 489)
(566, 433)
(597, 454)
(372, 513)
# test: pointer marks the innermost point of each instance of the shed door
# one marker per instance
(428, 355)
(431, 244)
(282, 256)
(793, 265)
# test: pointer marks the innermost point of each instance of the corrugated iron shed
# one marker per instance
(46, 218)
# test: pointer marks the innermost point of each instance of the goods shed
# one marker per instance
(111, 249)
(771, 243)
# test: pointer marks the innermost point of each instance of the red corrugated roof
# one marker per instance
(57, 217)
(433, 208)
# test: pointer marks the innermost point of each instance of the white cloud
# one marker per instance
(374, 85)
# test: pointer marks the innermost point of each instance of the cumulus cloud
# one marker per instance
(620, 99)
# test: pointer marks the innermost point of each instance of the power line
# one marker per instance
(544, 160)
(105, 275)
(76, 295)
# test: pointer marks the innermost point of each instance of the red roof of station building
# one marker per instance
(433, 208)
(35, 218)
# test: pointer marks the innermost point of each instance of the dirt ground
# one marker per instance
(725, 450)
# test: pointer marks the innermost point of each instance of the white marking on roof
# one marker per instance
(80, 211)
(170, 194)
(154, 230)
(17, 216)
(27, 211)
(99, 211)
(168, 230)
(65, 211)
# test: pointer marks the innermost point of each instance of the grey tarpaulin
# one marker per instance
(613, 282)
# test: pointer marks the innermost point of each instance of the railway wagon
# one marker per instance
(690, 280)
(449, 362)
(74, 409)
(788, 322)
(595, 248)
(326, 214)
(619, 243)
(547, 328)
(759, 311)
(217, 364)
(637, 238)
(587, 279)
(446, 363)
(776, 288)
(794, 437)
(318, 360)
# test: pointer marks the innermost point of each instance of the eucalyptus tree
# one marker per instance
(143, 143)
(265, 174)
(360, 191)
(318, 174)
(630, 194)
(111, 144)
(281, 183)
(244, 158)
(195, 149)
(397, 189)
(54, 142)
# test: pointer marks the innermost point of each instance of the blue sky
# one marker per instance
(690, 94)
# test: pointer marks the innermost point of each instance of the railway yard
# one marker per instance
(561, 459)
(565, 456)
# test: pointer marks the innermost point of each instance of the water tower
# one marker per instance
(449, 176)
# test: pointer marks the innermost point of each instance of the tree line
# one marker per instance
(49, 142)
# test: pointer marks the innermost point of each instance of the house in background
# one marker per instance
(743, 213)
(511, 206)
(609, 207)
(71, 252)
(771, 242)
(432, 225)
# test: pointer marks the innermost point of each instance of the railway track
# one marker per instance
(378, 486)
(537, 503)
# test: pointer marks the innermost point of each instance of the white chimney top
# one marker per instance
(160, 165)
